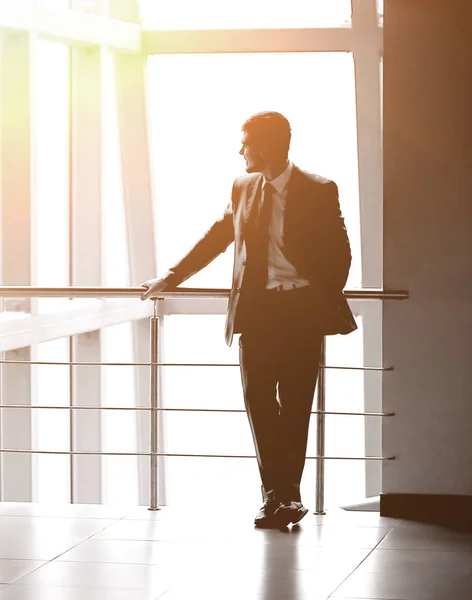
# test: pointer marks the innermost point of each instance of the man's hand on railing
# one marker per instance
(154, 286)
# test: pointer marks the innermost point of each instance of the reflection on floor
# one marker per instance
(83, 552)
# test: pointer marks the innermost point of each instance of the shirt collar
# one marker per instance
(280, 182)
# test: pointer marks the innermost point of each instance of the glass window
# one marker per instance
(120, 483)
(52, 169)
(261, 14)
(345, 434)
(51, 429)
(200, 339)
(197, 106)
(114, 240)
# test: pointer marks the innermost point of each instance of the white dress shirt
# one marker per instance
(281, 272)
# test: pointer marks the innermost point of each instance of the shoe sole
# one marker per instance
(269, 524)
(301, 513)
(285, 518)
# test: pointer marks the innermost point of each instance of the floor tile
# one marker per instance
(10, 569)
(203, 569)
(417, 536)
(37, 527)
(44, 538)
(142, 513)
(407, 586)
(259, 556)
(379, 561)
(128, 552)
(205, 594)
(242, 520)
(15, 592)
(338, 516)
(89, 575)
(246, 515)
(268, 584)
(196, 517)
(158, 579)
(41, 548)
(355, 537)
(88, 511)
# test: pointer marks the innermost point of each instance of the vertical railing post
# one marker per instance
(154, 389)
(320, 433)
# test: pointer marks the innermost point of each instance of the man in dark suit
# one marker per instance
(291, 262)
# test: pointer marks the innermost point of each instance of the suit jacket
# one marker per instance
(315, 242)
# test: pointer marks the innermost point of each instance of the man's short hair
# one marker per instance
(270, 129)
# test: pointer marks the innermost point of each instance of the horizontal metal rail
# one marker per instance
(162, 409)
(158, 364)
(136, 292)
(84, 453)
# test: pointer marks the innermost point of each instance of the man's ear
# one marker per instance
(265, 151)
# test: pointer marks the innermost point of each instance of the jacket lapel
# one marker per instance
(251, 205)
(295, 197)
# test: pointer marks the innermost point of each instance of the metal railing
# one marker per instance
(154, 365)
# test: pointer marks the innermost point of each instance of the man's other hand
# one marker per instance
(154, 287)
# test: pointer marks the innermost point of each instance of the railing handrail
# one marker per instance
(19, 291)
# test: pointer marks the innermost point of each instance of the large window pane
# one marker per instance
(197, 109)
(200, 339)
(263, 14)
(52, 169)
(345, 434)
(115, 246)
(51, 430)
(120, 483)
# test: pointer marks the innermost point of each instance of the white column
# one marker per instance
(86, 263)
(367, 53)
(130, 73)
(17, 266)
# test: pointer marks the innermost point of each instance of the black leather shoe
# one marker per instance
(289, 512)
(265, 517)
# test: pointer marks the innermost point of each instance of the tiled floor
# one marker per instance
(102, 553)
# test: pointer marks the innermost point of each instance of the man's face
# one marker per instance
(253, 156)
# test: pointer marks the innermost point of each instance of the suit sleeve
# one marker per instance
(214, 242)
(335, 240)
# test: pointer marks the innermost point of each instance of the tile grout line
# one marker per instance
(362, 561)
(161, 596)
(47, 562)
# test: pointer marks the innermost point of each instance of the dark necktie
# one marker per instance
(262, 234)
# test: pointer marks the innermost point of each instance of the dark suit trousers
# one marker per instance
(279, 356)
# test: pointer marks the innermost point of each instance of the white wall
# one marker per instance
(428, 246)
